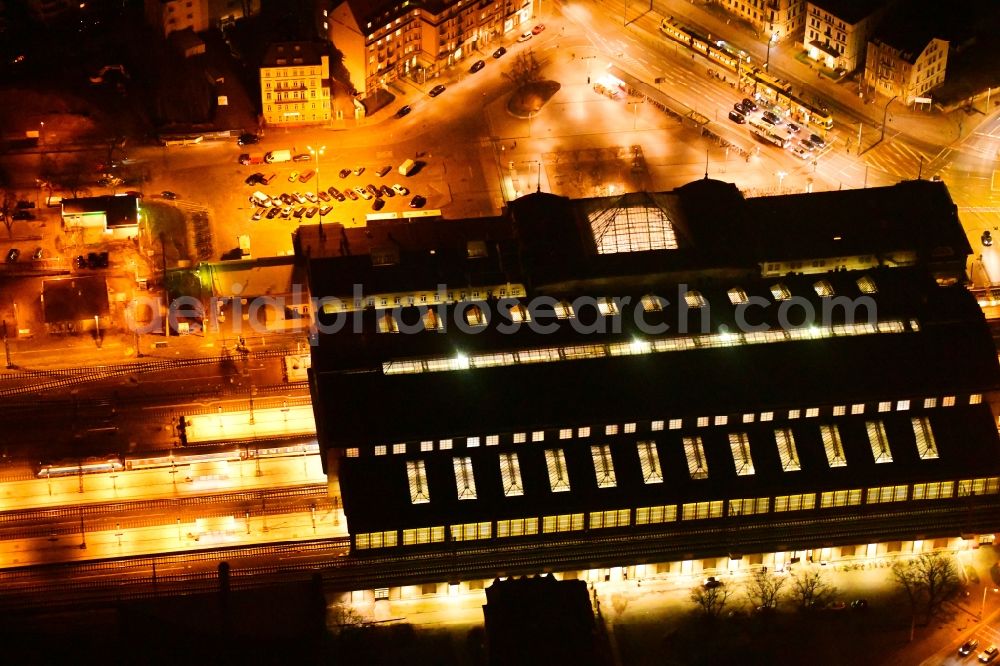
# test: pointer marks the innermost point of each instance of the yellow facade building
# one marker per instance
(295, 84)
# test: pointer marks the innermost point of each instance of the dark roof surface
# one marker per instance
(120, 211)
(293, 53)
(909, 26)
(75, 299)
(850, 11)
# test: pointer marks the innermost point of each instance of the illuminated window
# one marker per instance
(789, 455)
(694, 299)
(492, 440)
(823, 288)
(812, 412)
(926, 446)
(381, 450)
(885, 406)
(631, 229)
(353, 453)
(419, 493)
(650, 515)
(948, 401)
(475, 316)
(510, 474)
(839, 410)
(867, 285)
(749, 506)
(767, 416)
(700, 510)
(656, 426)
(520, 437)
(737, 296)
(607, 307)
(878, 441)
(780, 292)
(652, 303)
(604, 468)
(611, 430)
(794, 413)
(858, 408)
(426, 445)
(833, 446)
(519, 314)
(555, 461)
(676, 424)
(387, 323)
(695, 454)
(566, 433)
(583, 432)
(702, 421)
(721, 420)
(930, 403)
(975, 399)
(517, 527)
(629, 428)
(934, 490)
(538, 436)
(836, 498)
(795, 502)
(432, 322)
(465, 481)
(563, 310)
(604, 519)
(739, 444)
(471, 442)
(445, 444)
(398, 449)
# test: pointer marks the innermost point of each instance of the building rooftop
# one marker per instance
(293, 53)
(850, 11)
(75, 299)
(119, 211)
(910, 26)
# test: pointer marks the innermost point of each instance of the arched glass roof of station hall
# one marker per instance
(631, 225)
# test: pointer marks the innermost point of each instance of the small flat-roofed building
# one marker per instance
(656, 365)
(114, 216)
(78, 303)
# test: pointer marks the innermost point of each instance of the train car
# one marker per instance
(717, 51)
(86, 466)
(311, 448)
(181, 458)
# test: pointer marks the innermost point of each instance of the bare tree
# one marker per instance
(810, 589)
(525, 69)
(711, 601)
(927, 581)
(7, 205)
(763, 589)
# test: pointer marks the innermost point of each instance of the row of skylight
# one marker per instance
(635, 347)
(703, 510)
(649, 460)
(614, 429)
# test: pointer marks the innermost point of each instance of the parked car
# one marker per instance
(273, 213)
(38, 254)
(13, 255)
(302, 157)
(335, 193)
(254, 179)
(358, 170)
(436, 90)
(711, 582)
(363, 193)
(305, 177)
(989, 654)
(987, 238)
(383, 170)
(375, 191)
(403, 110)
(770, 117)
(80, 262)
(737, 117)
(344, 173)
(378, 204)
(525, 36)
(323, 210)
(299, 197)
(859, 604)
(286, 212)
(417, 201)
(259, 213)
(247, 139)
(817, 140)
(299, 212)
(538, 28)
(312, 211)
(476, 66)
(387, 191)
(968, 647)
(800, 152)
(351, 194)
(804, 144)
(293, 176)
(311, 197)
(739, 108)
(167, 194)
(400, 190)
(23, 215)
(323, 195)
(499, 53)
(792, 128)
(749, 104)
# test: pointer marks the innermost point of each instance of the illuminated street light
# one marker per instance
(316, 155)
(781, 177)
(982, 607)
(772, 40)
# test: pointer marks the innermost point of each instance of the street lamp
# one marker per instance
(885, 114)
(770, 41)
(316, 155)
(781, 178)
(982, 607)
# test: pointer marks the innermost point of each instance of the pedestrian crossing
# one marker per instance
(899, 159)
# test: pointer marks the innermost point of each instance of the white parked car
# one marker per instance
(525, 37)
(363, 193)
(400, 190)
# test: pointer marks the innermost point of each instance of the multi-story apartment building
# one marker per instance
(173, 15)
(198, 15)
(837, 31)
(295, 84)
(383, 41)
(697, 374)
(905, 62)
(773, 19)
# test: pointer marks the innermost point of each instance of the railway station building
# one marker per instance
(685, 377)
